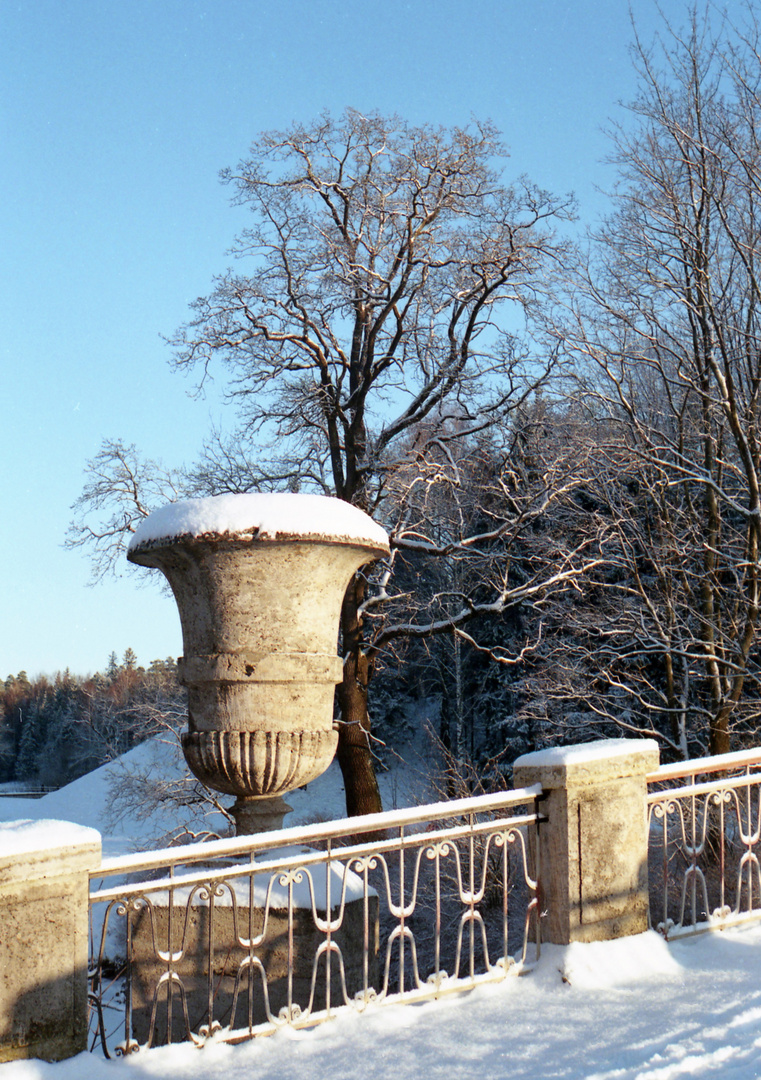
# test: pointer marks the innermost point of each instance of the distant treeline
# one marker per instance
(55, 729)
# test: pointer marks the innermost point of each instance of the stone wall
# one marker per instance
(190, 940)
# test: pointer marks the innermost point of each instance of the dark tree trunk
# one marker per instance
(354, 754)
(719, 741)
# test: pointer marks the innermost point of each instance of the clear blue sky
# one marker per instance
(115, 118)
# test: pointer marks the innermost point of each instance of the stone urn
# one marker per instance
(259, 581)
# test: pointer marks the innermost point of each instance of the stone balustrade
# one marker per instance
(591, 860)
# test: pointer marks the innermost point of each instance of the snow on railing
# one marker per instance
(235, 938)
(704, 843)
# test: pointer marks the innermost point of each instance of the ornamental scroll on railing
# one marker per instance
(237, 938)
(704, 820)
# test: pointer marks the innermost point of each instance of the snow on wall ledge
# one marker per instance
(266, 516)
(31, 837)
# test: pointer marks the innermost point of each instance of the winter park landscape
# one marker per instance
(424, 457)
(633, 1006)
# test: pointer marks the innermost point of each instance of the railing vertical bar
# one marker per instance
(748, 832)
(539, 871)
(505, 890)
(694, 863)
(366, 930)
(437, 916)
(471, 905)
(328, 932)
(722, 856)
(290, 946)
(170, 962)
(251, 909)
(665, 879)
(128, 982)
(402, 901)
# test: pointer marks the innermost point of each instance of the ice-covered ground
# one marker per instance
(634, 1009)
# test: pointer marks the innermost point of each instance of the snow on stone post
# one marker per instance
(259, 581)
(44, 898)
(593, 846)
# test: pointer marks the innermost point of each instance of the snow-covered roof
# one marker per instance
(266, 516)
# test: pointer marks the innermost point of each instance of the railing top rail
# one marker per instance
(730, 783)
(281, 862)
(698, 766)
(305, 834)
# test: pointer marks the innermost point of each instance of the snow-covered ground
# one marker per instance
(634, 1009)
(89, 800)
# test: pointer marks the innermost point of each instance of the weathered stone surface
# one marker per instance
(588, 763)
(593, 847)
(258, 761)
(260, 623)
(43, 938)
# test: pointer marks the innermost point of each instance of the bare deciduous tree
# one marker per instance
(379, 321)
(380, 255)
(121, 489)
(672, 326)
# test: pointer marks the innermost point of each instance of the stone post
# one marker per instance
(44, 892)
(593, 847)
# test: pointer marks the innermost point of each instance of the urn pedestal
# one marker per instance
(259, 581)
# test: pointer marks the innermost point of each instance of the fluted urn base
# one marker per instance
(258, 764)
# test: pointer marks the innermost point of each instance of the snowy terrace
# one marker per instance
(633, 1009)
(636, 1006)
(241, 937)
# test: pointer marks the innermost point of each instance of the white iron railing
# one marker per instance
(704, 820)
(236, 938)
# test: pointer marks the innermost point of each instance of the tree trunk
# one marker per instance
(459, 708)
(719, 741)
(354, 754)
